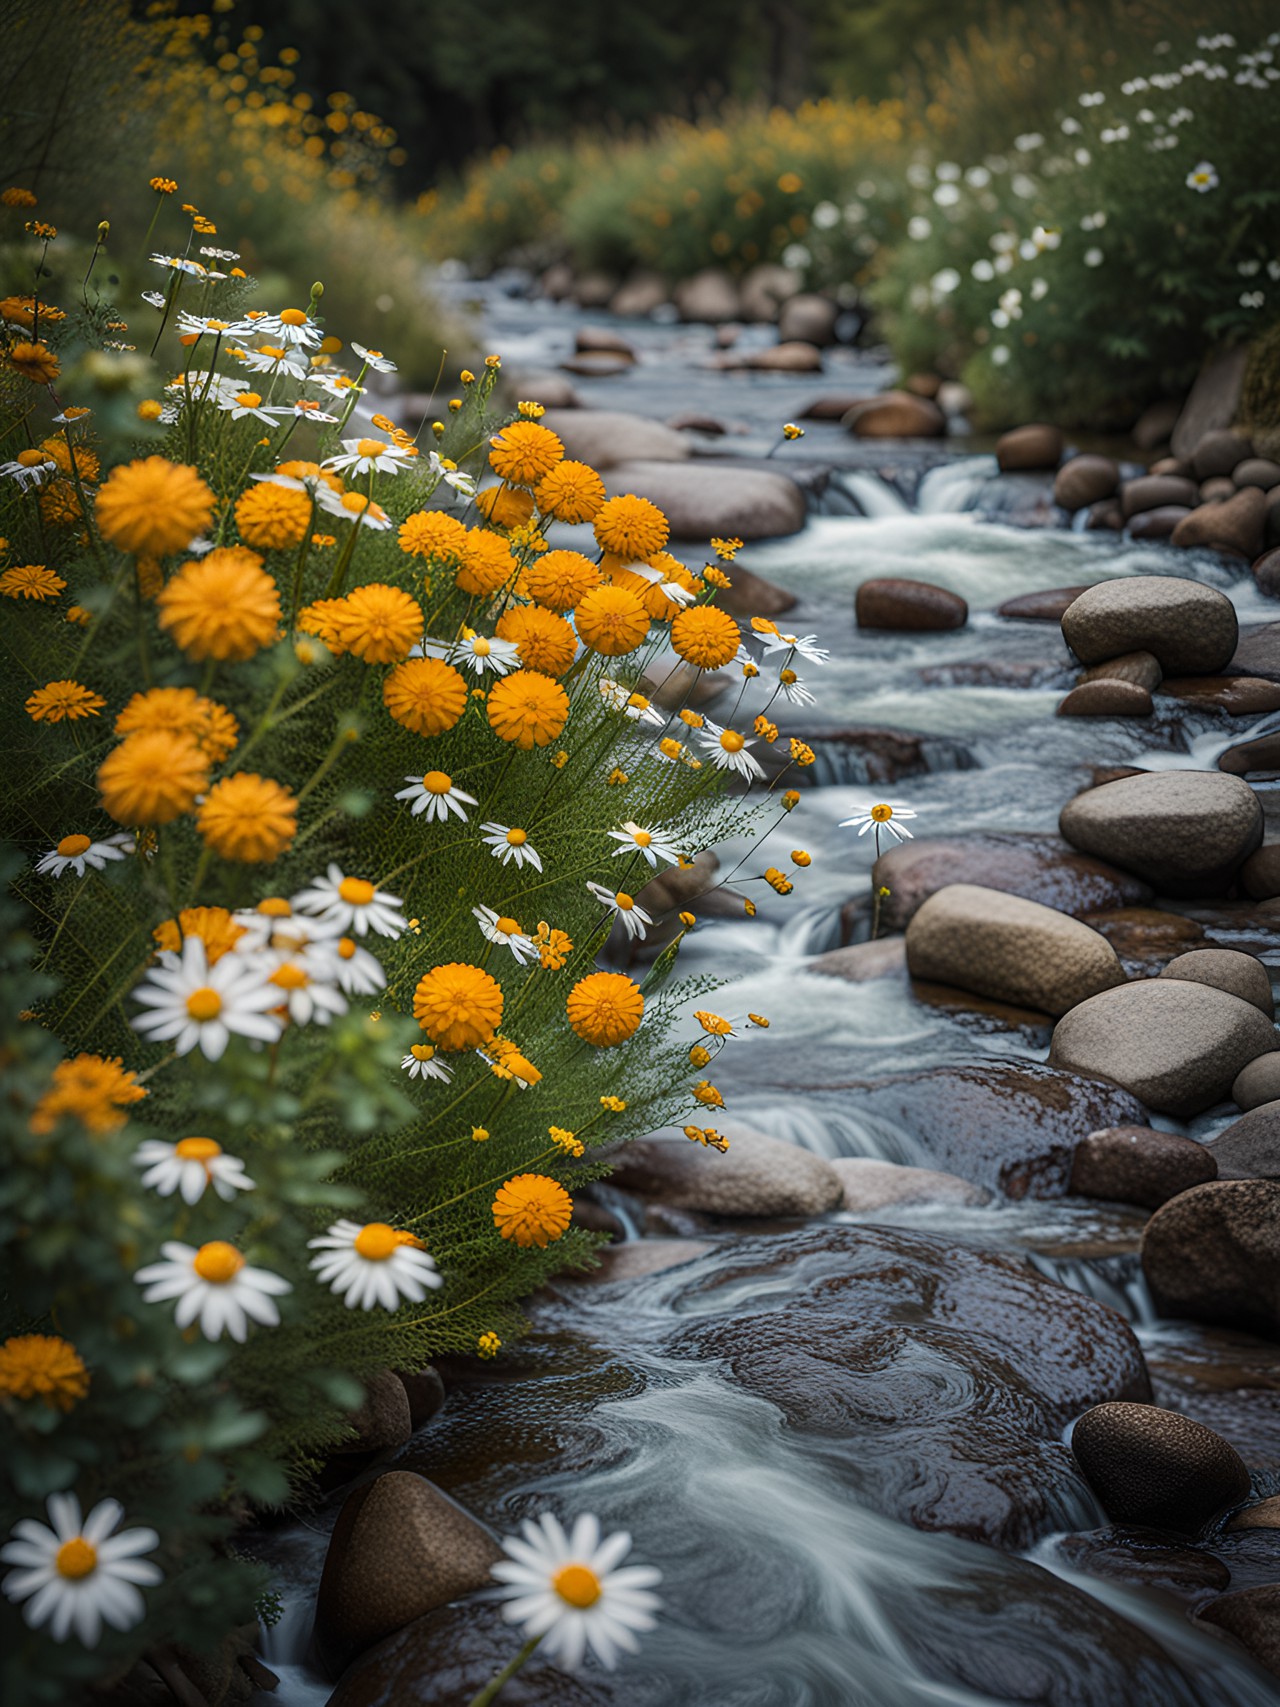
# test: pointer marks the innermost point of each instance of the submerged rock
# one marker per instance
(1138, 1164)
(1147, 1558)
(1184, 831)
(1191, 629)
(757, 1175)
(904, 606)
(1157, 1468)
(1213, 1254)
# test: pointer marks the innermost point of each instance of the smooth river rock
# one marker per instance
(1085, 480)
(1237, 525)
(1029, 448)
(1154, 492)
(1157, 1468)
(1140, 668)
(871, 1184)
(702, 500)
(1184, 831)
(1252, 1616)
(1213, 1255)
(1258, 1083)
(1138, 1164)
(895, 415)
(906, 606)
(757, 1175)
(1012, 950)
(1250, 1147)
(1108, 696)
(1227, 969)
(1178, 1046)
(1191, 629)
(606, 437)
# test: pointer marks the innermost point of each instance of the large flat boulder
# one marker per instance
(1010, 949)
(1191, 629)
(703, 500)
(1186, 832)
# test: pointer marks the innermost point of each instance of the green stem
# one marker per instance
(489, 1693)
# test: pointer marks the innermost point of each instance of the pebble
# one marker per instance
(1218, 452)
(1108, 696)
(1138, 1164)
(1085, 480)
(1141, 668)
(1154, 492)
(1157, 1468)
(606, 437)
(1029, 448)
(896, 415)
(1047, 606)
(1158, 524)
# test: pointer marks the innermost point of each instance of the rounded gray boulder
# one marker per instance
(1190, 628)
(1227, 969)
(1186, 832)
(1258, 1083)
(1250, 1146)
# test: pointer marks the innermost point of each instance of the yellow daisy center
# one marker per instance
(204, 1003)
(508, 927)
(70, 847)
(436, 782)
(881, 814)
(289, 977)
(218, 1262)
(346, 947)
(371, 447)
(422, 1051)
(76, 1558)
(32, 458)
(249, 399)
(376, 1242)
(197, 1149)
(577, 1584)
(517, 838)
(624, 903)
(481, 647)
(355, 891)
(275, 907)
(293, 317)
(641, 838)
(732, 742)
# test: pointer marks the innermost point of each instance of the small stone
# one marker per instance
(596, 338)
(1262, 754)
(871, 1184)
(1217, 489)
(1138, 667)
(1179, 465)
(1033, 447)
(863, 962)
(633, 1259)
(1212, 1254)
(1186, 832)
(1157, 1468)
(702, 501)
(692, 422)
(1258, 1083)
(552, 390)
(751, 595)
(908, 606)
(896, 415)
(1191, 629)
(1106, 516)
(1158, 524)
(1138, 1164)
(1250, 1146)
(764, 290)
(792, 357)
(1264, 1515)
(923, 384)
(1218, 452)
(1155, 491)
(710, 296)
(1012, 950)
(399, 1548)
(425, 1392)
(597, 364)
(638, 296)
(807, 318)
(606, 437)
(1085, 480)
(1107, 697)
(1260, 873)
(594, 290)
(1238, 525)
(1175, 1045)
(1047, 606)
(383, 1421)
(1252, 1616)
(757, 1175)
(1266, 573)
(1239, 696)
(1257, 471)
(1227, 969)
(1146, 1558)
(832, 406)
(679, 885)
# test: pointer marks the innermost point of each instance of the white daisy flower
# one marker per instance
(728, 750)
(352, 506)
(632, 705)
(374, 359)
(290, 327)
(219, 254)
(240, 404)
(373, 1264)
(358, 972)
(195, 1005)
(510, 843)
(568, 1590)
(306, 980)
(793, 690)
(75, 1574)
(303, 409)
(273, 359)
(202, 325)
(451, 474)
(369, 456)
(189, 1167)
(1203, 178)
(880, 815)
(335, 383)
(478, 653)
(352, 904)
(436, 795)
(274, 924)
(651, 843)
(80, 851)
(152, 298)
(422, 1062)
(179, 264)
(804, 644)
(505, 931)
(72, 417)
(214, 1286)
(623, 906)
(28, 474)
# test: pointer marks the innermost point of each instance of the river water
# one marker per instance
(785, 1582)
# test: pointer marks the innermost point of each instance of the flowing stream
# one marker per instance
(785, 1584)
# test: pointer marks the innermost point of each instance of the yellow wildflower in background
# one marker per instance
(93, 1089)
(153, 506)
(152, 778)
(223, 605)
(31, 581)
(62, 701)
(248, 818)
(45, 1367)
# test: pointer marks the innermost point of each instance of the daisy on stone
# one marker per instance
(728, 750)
(478, 653)
(510, 843)
(189, 1167)
(214, 1286)
(373, 1264)
(435, 795)
(879, 815)
(623, 907)
(79, 851)
(75, 1574)
(193, 1004)
(374, 359)
(772, 639)
(506, 933)
(567, 1591)
(649, 843)
(352, 904)
(422, 1062)
(369, 456)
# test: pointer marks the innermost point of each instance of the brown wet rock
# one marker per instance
(1227, 1379)
(679, 885)
(1085, 480)
(792, 356)
(633, 1259)
(597, 338)
(597, 364)
(1105, 515)
(888, 754)
(834, 406)
(637, 297)
(1213, 1255)
(383, 1421)
(400, 1548)
(607, 437)
(1236, 525)
(1252, 1557)
(1266, 574)
(693, 422)
(1258, 1083)
(757, 1175)
(885, 1345)
(1047, 606)
(1029, 448)
(704, 500)
(1147, 1559)
(870, 1184)
(1252, 1616)
(905, 606)
(895, 415)
(1218, 451)
(1260, 873)
(1037, 867)
(1217, 489)
(425, 1392)
(1138, 1164)
(1145, 938)
(751, 595)
(1240, 696)
(1250, 1147)
(1257, 471)
(1157, 1468)
(864, 962)
(1264, 1514)
(1179, 465)
(1154, 492)
(1258, 653)
(1107, 697)
(1262, 754)
(1140, 668)
(1158, 523)
(982, 1015)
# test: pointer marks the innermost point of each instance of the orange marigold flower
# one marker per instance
(611, 620)
(44, 1367)
(321, 619)
(524, 453)
(248, 818)
(430, 533)
(487, 563)
(378, 623)
(528, 709)
(153, 506)
(17, 196)
(35, 362)
(63, 700)
(605, 1008)
(152, 778)
(504, 506)
(572, 492)
(532, 1210)
(92, 1089)
(546, 641)
(425, 695)
(458, 1006)
(561, 579)
(631, 527)
(215, 926)
(706, 637)
(182, 711)
(271, 517)
(223, 605)
(31, 581)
